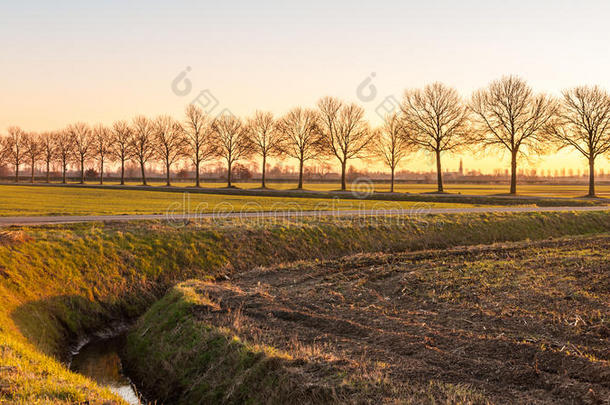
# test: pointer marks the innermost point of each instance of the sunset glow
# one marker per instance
(74, 61)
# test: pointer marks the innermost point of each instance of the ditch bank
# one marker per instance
(519, 322)
(59, 284)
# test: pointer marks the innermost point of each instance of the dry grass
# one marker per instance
(516, 323)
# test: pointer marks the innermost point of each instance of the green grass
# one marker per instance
(541, 190)
(59, 283)
(40, 200)
(23, 201)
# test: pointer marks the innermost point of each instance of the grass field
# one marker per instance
(470, 189)
(23, 200)
(517, 323)
(542, 190)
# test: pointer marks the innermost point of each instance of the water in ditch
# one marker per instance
(99, 360)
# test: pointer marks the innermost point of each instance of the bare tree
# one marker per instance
(63, 145)
(47, 144)
(32, 150)
(583, 123)
(199, 138)
(82, 142)
(142, 143)
(121, 144)
(3, 150)
(346, 132)
(15, 148)
(509, 115)
(436, 121)
(101, 146)
(232, 141)
(391, 144)
(169, 143)
(265, 138)
(303, 138)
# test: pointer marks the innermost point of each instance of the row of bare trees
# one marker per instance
(506, 115)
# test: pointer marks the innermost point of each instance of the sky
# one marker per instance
(67, 61)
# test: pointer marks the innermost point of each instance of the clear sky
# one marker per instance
(65, 61)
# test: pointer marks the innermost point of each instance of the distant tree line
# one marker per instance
(506, 115)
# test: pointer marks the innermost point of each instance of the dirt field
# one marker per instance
(517, 323)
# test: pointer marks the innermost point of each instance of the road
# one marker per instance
(417, 211)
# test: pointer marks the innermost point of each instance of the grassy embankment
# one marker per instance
(60, 283)
(517, 323)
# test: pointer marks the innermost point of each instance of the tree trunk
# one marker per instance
(143, 174)
(229, 174)
(263, 185)
(102, 171)
(392, 181)
(122, 171)
(16, 173)
(82, 171)
(513, 173)
(167, 173)
(48, 172)
(63, 174)
(197, 179)
(591, 177)
(439, 173)
(32, 173)
(343, 184)
(300, 186)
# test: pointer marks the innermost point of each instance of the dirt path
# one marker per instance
(417, 211)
